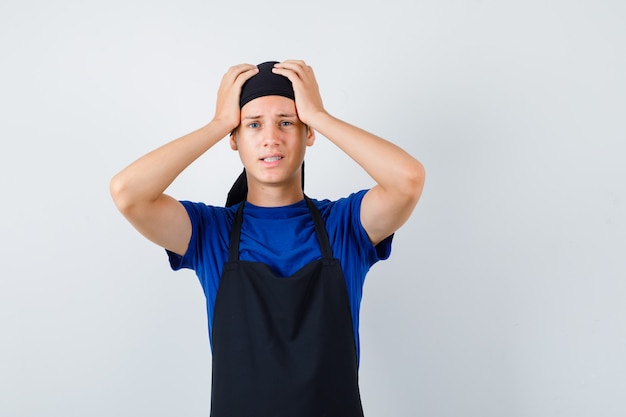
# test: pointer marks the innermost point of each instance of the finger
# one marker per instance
(238, 69)
(296, 72)
(287, 72)
(298, 66)
(246, 75)
(292, 62)
(234, 72)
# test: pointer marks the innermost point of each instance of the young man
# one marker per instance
(282, 273)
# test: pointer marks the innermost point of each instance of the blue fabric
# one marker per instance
(283, 238)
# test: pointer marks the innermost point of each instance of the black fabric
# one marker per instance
(266, 83)
(239, 190)
(284, 346)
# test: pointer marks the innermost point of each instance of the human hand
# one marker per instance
(227, 109)
(306, 91)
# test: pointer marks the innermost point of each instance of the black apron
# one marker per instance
(283, 347)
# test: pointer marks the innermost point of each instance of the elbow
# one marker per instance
(415, 178)
(119, 193)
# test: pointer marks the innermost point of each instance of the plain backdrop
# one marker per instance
(505, 292)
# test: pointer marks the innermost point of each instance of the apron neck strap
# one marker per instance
(320, 231)
(235, 232)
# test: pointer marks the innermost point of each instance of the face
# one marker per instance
(271, 141)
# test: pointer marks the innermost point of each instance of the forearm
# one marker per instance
(390, 166)
(147, 178)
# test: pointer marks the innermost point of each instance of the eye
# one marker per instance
(286, 123)
(253, 125)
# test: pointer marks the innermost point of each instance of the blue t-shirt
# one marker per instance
(283, 238)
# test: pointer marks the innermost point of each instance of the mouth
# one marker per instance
(272, 158)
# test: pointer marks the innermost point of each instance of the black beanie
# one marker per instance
(264, 83)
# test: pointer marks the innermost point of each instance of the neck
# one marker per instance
(268, 196)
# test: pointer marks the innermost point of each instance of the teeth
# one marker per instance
(272, 159)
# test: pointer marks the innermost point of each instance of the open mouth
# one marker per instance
(272, 158)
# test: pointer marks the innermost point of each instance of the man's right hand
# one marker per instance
(227, 111)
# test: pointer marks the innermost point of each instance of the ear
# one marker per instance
(310, 136)
(233, 141)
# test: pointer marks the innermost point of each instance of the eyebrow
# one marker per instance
(254, 116)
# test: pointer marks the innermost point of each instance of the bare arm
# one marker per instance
(399, 177)
(138, 190)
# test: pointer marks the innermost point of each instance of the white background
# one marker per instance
(505, 294)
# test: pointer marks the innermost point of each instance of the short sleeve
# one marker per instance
(189, 259)
(208, 246)
(349, 238)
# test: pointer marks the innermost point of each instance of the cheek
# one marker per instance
(244, 149)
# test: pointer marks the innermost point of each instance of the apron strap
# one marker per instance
(320, 231)
(233, 249)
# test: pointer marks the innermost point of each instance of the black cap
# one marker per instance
(266, 83)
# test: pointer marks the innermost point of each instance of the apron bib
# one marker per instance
(283, 347)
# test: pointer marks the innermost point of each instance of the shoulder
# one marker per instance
(342, 214)
(210, 228)
(208, 221)
(199, 210)
(349, 203)
(343, 221)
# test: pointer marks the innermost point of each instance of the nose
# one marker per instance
(271, 135)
